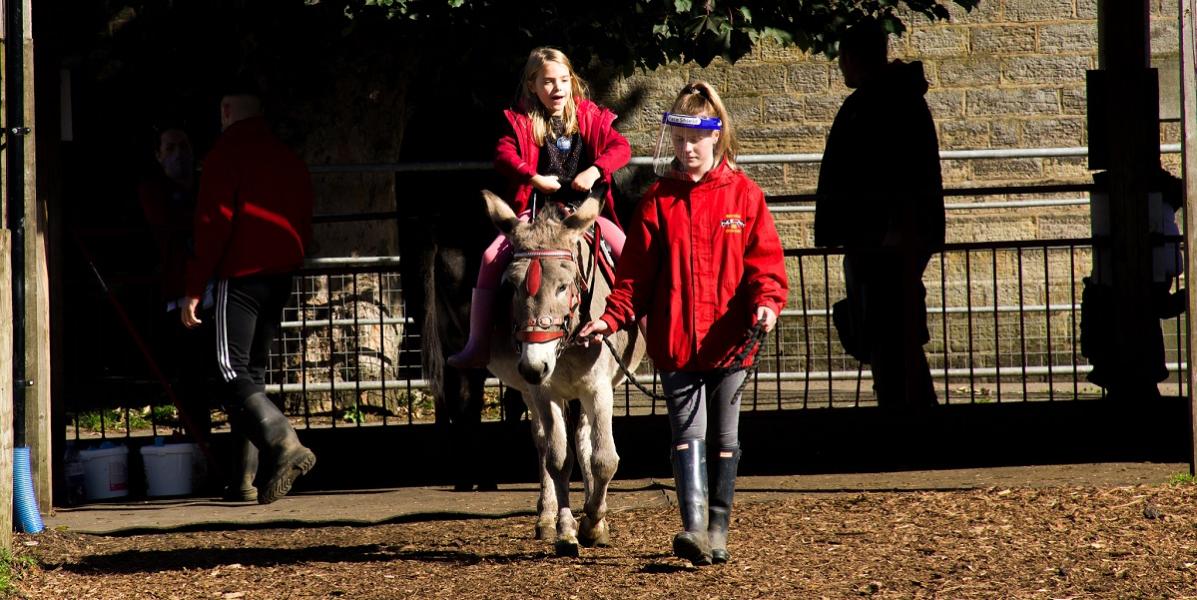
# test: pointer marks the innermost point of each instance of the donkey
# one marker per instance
(555, 289)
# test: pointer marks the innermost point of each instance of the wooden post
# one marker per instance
(1188, 121)
(37, 299)
(6, 492)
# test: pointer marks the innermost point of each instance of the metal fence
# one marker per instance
(1004, 319)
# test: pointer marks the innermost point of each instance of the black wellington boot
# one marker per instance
(723, 489)
(690, 477)
(281, 454)
(245, 469)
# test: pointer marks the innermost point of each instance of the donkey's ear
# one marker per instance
(585, 215)
(500, 213)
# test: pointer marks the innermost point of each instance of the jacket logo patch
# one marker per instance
(732, 223)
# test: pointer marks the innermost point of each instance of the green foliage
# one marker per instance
(353, 414)
(1182, 479)
(114, 419)
(12, 568)
(650, 33)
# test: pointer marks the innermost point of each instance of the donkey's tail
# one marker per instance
(432, 356)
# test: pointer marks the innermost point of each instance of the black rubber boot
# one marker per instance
(723, 490)
(245, 469)
(284, 458)
(690, 477)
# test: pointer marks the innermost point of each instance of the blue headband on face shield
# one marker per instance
(692, 122)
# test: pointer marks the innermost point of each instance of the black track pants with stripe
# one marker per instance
(248, 312)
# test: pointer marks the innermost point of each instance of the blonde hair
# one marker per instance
(526, 100)
(699, 98)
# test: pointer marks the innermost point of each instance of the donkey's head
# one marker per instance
(544, 274)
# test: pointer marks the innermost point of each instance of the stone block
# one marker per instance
(1067, 169)
(1039, 10)
(1021, 102)
(796, 138)
(809, 77)
(1064, 222)
(1002, 39)
(770, 50)
(1073, 102)
(1068, 37)
(770, 177)
(965, 72)
(1051, 70)
(1004, 134)
(938, 41)
(963, 135)
(1007, 169)
(784, 109)
(945, 104)
(1086, 9)
(802, 177)
(1053, 133)
(1165, 36)
(744, 112)
(955, 172)
(743, 80)
(822, 108)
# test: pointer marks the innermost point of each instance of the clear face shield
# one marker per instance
(665, 163)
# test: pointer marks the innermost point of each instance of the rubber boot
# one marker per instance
(476, 353)
(690, 478)
(723, 489)
(280, 452)
(245, 469)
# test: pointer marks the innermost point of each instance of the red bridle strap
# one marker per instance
(544, 329)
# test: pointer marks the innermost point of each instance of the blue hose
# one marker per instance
(24, 498)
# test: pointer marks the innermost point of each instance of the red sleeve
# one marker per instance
(764, 262)
(507, 155)
(636, 275)
(214, 212)
(614, 151)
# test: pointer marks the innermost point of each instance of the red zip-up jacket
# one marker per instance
(700, 258)
(253, 215)
(516, 154)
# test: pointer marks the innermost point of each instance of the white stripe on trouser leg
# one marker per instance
(222, 331)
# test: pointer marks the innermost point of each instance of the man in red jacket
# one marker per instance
(252, 224)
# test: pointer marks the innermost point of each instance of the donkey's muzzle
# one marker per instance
(533, 374)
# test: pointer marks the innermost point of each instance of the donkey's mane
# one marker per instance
(547, 232)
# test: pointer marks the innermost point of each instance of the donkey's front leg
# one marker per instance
(558, 464)
(546, 504)
(603, 462)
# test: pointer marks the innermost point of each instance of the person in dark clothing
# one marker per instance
(253, 223)
(880, 196)
(167, 199)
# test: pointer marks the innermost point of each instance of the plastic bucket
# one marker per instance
(105, 472)
(168, 469)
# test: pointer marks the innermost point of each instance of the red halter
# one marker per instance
(545, 328)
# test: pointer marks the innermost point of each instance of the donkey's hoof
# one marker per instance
(545, 533)
(566, 547)
(592, 534)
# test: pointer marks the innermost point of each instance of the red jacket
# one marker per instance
(517, 154)
(700, 257)
(254, 210)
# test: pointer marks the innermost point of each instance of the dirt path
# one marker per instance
(1084, 531)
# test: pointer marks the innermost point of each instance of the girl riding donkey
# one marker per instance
(550, 134)
(703, 261)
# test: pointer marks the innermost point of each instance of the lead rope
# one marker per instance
(756, 335)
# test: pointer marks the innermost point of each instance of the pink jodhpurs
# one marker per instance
(498, 255)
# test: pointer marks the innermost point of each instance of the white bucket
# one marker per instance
(168, 469)
(105, 472)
